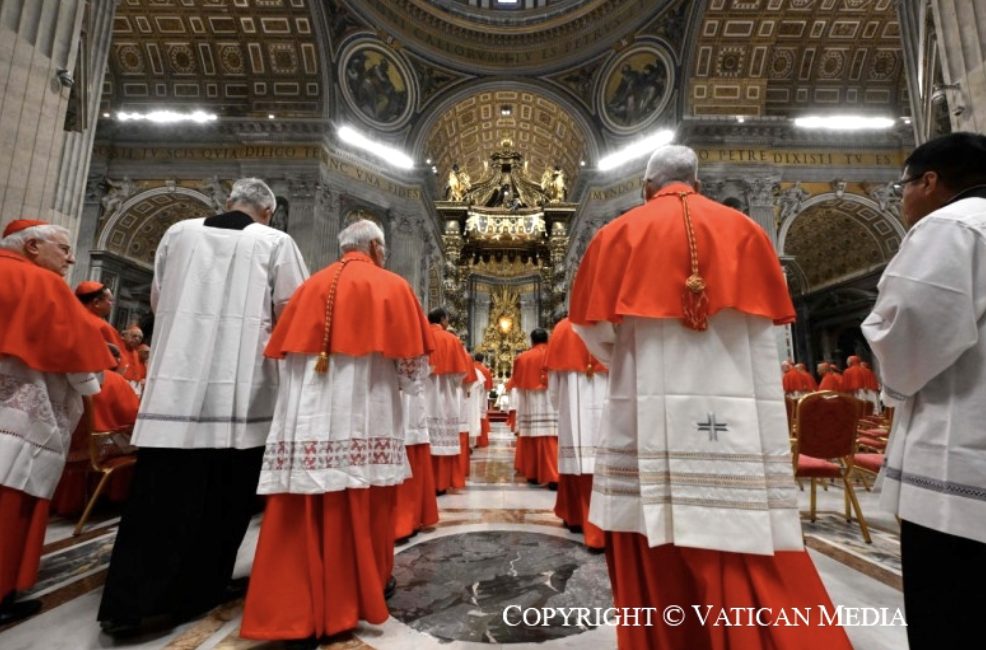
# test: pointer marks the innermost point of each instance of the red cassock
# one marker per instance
(134, 369)
(43, 325)
(323, 560)
(536, 456)
(567, 353)
(792, 381)
(623, 275)
(484, 433)
(449, 358)
(831, 381)
(114, 408)
(808, 380)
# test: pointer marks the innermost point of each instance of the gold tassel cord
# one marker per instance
(694, 299)
(322, 364)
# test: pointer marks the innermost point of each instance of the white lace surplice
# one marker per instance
(442, 394)
(341, 429)
(38, 413)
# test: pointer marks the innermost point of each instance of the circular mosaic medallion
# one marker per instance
(459, 587)
(637, 85)
(377, 84)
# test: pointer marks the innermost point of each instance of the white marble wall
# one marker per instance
(961, 26)
(37, 39)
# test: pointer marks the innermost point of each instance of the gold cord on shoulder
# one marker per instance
(322, 364)
(695, 301)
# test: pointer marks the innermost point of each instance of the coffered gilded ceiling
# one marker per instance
(136, 234)
(786, 57)
(501, 41)
(237, 57)
(468, 132)
(839, 239)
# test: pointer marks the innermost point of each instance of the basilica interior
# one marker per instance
(489, 139)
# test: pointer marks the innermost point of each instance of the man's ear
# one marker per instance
(31, 246)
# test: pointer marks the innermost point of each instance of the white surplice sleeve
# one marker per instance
(927, 312)
(160, 258)
(85, 383)
(287, 273)
(599, 338)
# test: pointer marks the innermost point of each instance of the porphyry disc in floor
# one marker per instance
(457, 587)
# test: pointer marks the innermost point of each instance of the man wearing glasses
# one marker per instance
(928, 330)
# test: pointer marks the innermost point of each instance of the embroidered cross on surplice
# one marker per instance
(712, 426)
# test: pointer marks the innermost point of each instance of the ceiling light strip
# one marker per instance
(389, 154)
(637, 149)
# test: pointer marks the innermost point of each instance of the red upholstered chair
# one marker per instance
(826, 441)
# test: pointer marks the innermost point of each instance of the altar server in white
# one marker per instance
(928, 331)
(219, 285)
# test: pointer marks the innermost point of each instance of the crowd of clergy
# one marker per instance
(653, 409)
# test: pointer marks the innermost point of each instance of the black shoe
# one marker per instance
(553, 486)
(575, 529)
(532, 481)
(391, 587)
(19, 610)
(235, 590)
(301, 644)
(594, 550)
(440, 493)
(121, 628)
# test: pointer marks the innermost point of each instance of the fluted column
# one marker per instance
(961, 27)
(38, 47)
(77, 150)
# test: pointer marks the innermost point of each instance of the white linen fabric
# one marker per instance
(476, 408)
(928, 330)
(442, 396)
(216, 294)
(536, 415)
(341, 429)
(579, 400)
(414, 418)
(38, 413)
(693, 448)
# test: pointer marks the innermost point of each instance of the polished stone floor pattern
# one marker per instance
(498, 543)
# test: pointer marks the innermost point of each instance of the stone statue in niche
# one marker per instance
(458, 184)
(279, 220)
(790, 201)
(116, 193)
(216, 192)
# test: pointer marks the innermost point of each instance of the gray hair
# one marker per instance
(358, 235)
(16, 241)
(672, 162)
(253, 191)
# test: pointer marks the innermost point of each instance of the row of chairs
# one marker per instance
(835, 436)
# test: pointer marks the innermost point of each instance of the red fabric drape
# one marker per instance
(537, 457)
(322, 564)
(572, 506)
(23, 520)
(417, 506)
(669, 575)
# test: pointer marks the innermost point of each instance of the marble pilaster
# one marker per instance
(77, 151)
(38, 48)
(961, 28)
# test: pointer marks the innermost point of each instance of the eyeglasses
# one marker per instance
(898, 187)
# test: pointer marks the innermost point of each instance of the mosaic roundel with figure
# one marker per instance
(636, 87)
(377, 84)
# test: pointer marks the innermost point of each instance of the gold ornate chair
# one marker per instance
(108, 452)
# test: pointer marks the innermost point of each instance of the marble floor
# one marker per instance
(498, 543)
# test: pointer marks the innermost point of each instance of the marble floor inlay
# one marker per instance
(498, 543)
(457, 587)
